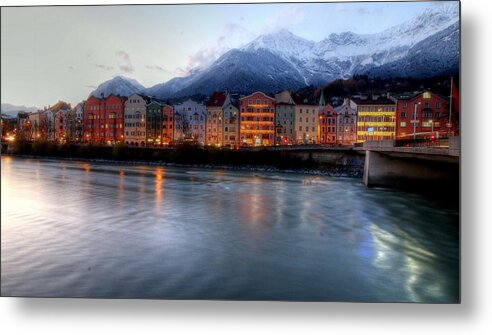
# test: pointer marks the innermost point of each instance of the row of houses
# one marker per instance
(233, 121)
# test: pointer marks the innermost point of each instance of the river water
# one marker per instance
(91, 230)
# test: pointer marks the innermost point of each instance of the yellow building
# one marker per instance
(376, 119)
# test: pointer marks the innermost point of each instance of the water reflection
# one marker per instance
(159, 180)
(224, 235)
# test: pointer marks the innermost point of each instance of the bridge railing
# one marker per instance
(423, 142)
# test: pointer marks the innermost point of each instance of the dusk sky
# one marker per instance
(63, 53)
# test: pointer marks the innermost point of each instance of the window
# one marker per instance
(403, 115)
(405, 105)
(427, 105)
(427, 95)
(403, 124)
(438, 105)
(438, 115)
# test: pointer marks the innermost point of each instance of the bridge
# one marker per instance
(412, 163)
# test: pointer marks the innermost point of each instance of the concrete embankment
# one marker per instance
(321, 161)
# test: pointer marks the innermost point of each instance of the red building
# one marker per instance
(257, 124)
(103, 120)
(327, 123)
(422, 114)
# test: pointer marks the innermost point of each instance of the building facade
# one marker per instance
(61, 125)
(346, 123)
(231, 123)
(190, 122)
(215, 128)
(327, 123)
(153, 124)
(36, 120)
(376, 117)
(257, 120)
(167, 125)
(306, 121)
(104, 120)
(75, 127)
(284, 118)
(135, 116)
(422, 114)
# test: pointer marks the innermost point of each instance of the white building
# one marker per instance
(135, 114)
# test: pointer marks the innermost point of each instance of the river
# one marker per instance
(77, 229)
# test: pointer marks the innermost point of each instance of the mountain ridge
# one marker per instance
(281, 60)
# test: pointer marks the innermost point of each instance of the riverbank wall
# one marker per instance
(337, 162)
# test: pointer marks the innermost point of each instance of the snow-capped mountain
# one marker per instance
(119, 85)
(10, 109)
(427, 45)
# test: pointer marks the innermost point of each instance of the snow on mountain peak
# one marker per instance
(281, 42)
(119, 85)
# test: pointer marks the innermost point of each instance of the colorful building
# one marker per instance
(167, 125)
(8, 124)
(327, 123)
(346, 123)
(190, 122)
(215, 129)
(36, 122)
(285, 109)
(61, 125)
(376, 117)
(257, 125)
(231, 123)
(104, 120)
(306, 120)
(135, 114)
(421, 114)
(153, 124)
(75, 126)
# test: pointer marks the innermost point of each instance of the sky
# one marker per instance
(64, 53)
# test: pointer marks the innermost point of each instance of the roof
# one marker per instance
(262, 93)
(217, 99)
(304, 100)
(413, 95)
(371, 101)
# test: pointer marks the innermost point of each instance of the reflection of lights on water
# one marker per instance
(159, 179)
(389, 247)
(87, 168)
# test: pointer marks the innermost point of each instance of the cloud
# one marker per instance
(91, 86)
(233, 34)
(155, 67)
(71, 68)
(125, 64)
(232, 27)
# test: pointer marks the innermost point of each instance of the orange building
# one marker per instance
(257, 124)
(167, 124)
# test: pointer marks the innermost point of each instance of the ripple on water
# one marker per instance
(90, 230)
